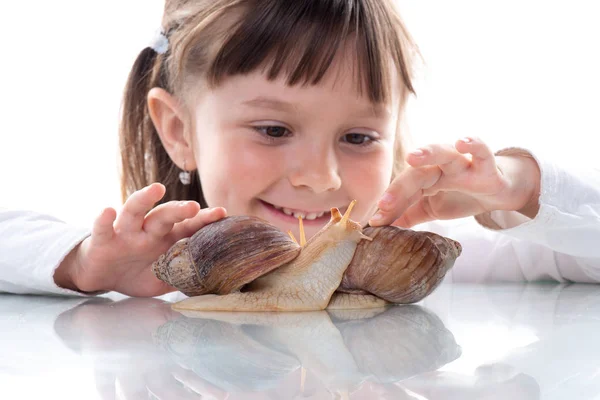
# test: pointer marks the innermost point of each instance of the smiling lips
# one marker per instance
(306, 215)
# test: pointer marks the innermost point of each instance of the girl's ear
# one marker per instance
(169, 118)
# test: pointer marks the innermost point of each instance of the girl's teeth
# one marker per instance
(296, 214)
(311, 216)
(299, 214)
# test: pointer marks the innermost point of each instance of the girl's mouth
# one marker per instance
(291, 215)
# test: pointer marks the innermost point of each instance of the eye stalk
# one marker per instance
(302, 234)
(346, 216)
(336, 218)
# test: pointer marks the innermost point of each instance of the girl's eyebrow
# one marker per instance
(377, 111)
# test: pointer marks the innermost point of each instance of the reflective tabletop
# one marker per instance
(464, 341)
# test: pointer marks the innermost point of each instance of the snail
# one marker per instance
(244, 263)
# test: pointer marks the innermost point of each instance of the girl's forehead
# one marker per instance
(340, 78)
(336, 92)
(343, 80)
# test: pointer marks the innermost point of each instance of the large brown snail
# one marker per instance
(242, 263)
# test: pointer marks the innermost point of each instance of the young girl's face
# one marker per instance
(270, 150)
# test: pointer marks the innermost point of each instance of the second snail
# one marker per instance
(243, 263)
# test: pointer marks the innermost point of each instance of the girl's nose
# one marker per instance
(317, 171)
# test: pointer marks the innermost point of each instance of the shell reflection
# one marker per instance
(333, 350)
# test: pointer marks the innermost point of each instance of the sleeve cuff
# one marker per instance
(69, 246)
(506, 221)
(57, 254)
(33, 246)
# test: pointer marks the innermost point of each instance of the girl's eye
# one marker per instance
(358, 139)
(272, 131)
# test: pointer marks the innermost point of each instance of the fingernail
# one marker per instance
(376, 217)
(466, 140)
(418, 153)
(387, 198)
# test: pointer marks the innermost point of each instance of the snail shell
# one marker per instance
(225, 255)
(399, 265)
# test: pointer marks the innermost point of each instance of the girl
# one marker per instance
(282, 109)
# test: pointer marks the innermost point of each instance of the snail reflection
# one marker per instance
(141, 347)
(334, 351)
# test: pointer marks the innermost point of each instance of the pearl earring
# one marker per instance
(185, 176)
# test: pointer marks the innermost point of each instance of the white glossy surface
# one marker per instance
(462, 342)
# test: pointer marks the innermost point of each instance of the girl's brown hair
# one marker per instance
(214, 39)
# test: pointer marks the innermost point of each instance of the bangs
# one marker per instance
(301, 38)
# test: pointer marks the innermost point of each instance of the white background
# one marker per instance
(515, 72)
(519, 73)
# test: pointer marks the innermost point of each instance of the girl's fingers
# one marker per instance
(445, 156)
(404, 191)
(103, 230)
(131, 218)
(484, 160)
(188, 227)
(469, 166)
(416, 214)
(160, 220)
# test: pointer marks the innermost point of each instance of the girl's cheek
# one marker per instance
(372, 172)
(366, 179)
(251, 160)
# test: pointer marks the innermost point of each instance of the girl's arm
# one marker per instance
(552, 233)
(42, 255)
(32, 246)
(562, 242)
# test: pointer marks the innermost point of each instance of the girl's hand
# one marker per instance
(447, 182)
(121, 249)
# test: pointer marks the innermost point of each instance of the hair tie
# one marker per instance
(160, 42)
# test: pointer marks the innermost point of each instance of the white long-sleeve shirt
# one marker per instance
(562, 243)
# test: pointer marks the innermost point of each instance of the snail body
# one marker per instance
(247, 264)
